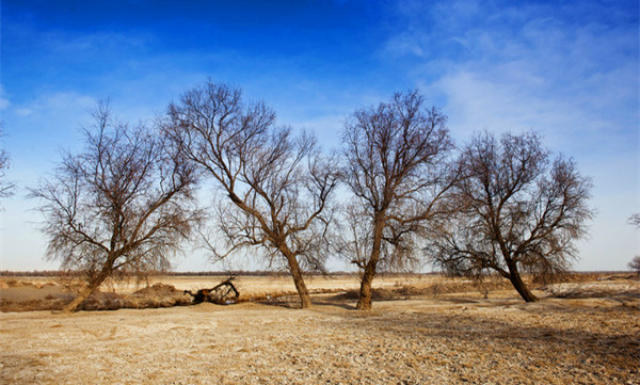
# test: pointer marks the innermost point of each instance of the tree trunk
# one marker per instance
(364, 300)
(518, 283)
(298, 280)
(86, 292)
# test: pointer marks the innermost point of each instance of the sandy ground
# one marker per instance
(451, 339)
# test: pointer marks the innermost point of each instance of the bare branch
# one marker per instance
(6, 188)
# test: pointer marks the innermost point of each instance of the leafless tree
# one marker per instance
(120, 206)
(634, 220)
(6, 188)
(278, 185)
(516, 211)
(635, 264)
(396, 168)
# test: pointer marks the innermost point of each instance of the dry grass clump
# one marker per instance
(158, 295)
(47, 297)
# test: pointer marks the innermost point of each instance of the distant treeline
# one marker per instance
(259, 273)
(60, 273)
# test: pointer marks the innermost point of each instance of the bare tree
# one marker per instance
(120, 206)
(634, 220)
(517, 211)
(6, 188)
(396, 168)
(279, 185)
(635, 264)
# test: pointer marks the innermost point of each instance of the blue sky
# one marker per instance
(568, 70)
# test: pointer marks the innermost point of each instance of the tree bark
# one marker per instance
(84, 294)
(364, 300)
(298, 280)
(518, 283)
(90, 289)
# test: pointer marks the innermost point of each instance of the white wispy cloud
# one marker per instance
(525, 69)
(58, 103)
(99, 42)
(569, 72)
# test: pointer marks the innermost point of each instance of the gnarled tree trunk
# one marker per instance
(298, 280)
(84, 294)
(518, 283)
(364, 300)
(93, 285)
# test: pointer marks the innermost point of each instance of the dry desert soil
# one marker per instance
(578, 333)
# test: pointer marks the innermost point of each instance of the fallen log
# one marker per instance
(224, 293)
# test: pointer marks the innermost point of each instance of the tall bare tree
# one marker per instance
(516, 211)
(278, 185)
(120, 206)
(396, 168)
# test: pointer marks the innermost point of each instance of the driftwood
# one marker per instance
(224, 293)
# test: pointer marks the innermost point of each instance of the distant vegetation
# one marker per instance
(258, 273)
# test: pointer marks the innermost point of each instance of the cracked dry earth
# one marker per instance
(419, 341)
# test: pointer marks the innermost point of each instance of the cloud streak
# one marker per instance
(569, 72)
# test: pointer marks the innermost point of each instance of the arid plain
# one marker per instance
(424, 329)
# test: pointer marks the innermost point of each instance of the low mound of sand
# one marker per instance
(158, 295)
